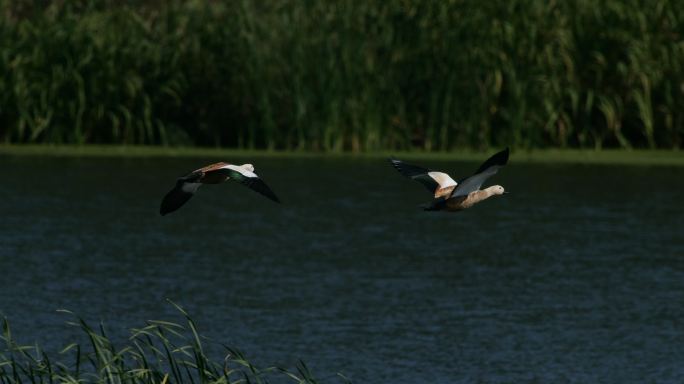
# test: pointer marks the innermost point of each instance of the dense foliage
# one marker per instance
(342, 74)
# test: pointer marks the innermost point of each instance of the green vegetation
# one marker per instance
(161, 352)
(569, 156)
(344, 75)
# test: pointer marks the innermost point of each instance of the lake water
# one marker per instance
(576, 276)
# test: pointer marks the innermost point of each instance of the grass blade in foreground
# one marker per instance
(160, 352)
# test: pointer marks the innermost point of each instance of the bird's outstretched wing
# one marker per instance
(435, 182)
(248, 179)
(487, 169)
(187, 185)
(185, 188)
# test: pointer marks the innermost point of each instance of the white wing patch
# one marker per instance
(190, 187)
(241, 169)
(442, 179)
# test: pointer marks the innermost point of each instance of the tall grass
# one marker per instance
(160, 352)
(344, 75)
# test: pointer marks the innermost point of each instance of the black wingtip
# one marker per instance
(173, 200)
(500, 158)
(266, 191)
(406, 169)
(262, 188)
(165, 210)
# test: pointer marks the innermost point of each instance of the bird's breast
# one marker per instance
(456, 203)
(462, 202)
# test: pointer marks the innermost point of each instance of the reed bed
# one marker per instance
(161, 352)
(344, 75)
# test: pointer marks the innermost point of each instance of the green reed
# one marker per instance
(160, 352)
(344, 75)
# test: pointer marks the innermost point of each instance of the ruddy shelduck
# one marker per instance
(450, 195)
(217, 173)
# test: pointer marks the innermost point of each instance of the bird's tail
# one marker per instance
(436, 205)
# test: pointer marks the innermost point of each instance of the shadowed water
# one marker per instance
(576, 276)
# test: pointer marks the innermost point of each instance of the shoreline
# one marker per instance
(564, 156)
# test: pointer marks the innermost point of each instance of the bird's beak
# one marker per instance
(506, 192)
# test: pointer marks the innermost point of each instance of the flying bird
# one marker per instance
(187, 185)
(450, 195)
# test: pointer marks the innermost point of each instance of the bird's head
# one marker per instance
(496, 190)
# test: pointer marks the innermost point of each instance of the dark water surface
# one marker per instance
(576, 276)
